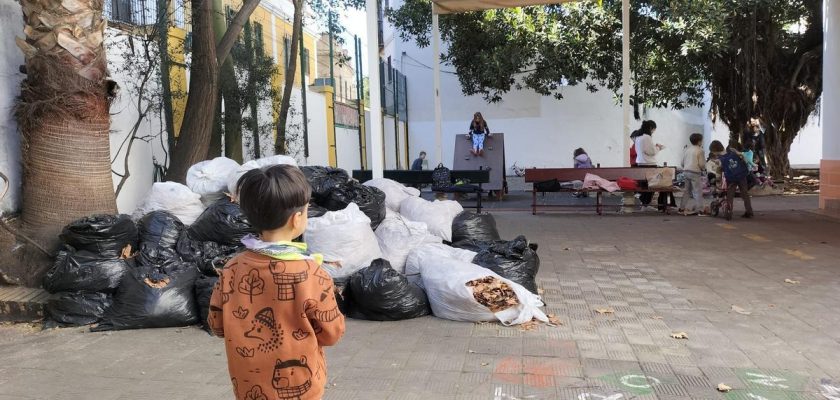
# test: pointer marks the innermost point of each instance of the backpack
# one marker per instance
(734, 167)
(441, 178)
(551, 185)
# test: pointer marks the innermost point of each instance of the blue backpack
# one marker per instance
(734, 167)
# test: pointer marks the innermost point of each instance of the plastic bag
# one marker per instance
(437, 215)
(395, 192)
(173, 197)
(471, 226)
(432, 254)
(345, 239)
(369, 199)
(211, 177)
(451, 298)
(160, 229)
(208, 256)
(316, 211)
(382, 294)
(516, 260)
(105, 235)
(85, 271)
(223, 223)
(233, 179)
(78, 308)
(323, 180)
(154, 297)
(203, 292)
(397, 236)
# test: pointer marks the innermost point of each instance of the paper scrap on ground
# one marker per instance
(723, 388)
(791, 281)
(740, 310)
(605, 310)
(679, 335)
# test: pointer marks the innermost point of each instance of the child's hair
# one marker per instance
(422, 153)
(695, 138)
(648, 127)
(579, 151)
(716, 147)
(735, 145)
(748, 145)
(270, 196)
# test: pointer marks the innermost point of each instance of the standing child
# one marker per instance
(273, 304)
(692, 163)
(735, 171)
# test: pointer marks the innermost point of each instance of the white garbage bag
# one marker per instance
(451, 298)
(345, 239)
(397, 236)
(395, 192)
(173, 197)
(433, 254)
(254, 164)
(438, 214)
(210, 178)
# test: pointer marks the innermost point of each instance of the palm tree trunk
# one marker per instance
(63, 116)
(297, 31)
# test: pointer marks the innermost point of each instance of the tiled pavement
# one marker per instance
(659, 275)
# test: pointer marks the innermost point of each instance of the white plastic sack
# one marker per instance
(451, 298)
(345, 239)
(397, 236)
(173, 197)
(210, 178)
(254, 164)
(395, 192)
(438, 215)
(437, 253)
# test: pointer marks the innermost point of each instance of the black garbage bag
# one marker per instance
(154, 297)
(78, 308)
(380, 293)
(203, 292)
(160, 229)
(223, 223)
(516, 260)
(316, 211)
(471, 226)
(85, 271)
(208, 256)
(323, 180)
(151, 255)
(370, 200)
(105, 235)
(342, 295)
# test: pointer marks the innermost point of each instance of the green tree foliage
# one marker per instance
(759, 58)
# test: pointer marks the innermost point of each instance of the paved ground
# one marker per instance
(660, 275)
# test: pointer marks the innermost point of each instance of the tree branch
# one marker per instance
(235, 27)
(806, 56)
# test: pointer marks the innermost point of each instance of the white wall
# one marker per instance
(390, 143)
(317, 117)
(347, 148)
(10, 77)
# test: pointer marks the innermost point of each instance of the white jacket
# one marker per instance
(645, 150)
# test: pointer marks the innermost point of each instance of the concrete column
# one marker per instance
(830, 165)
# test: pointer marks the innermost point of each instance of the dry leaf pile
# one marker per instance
(530, 325)
(493, 293)
(554, 320)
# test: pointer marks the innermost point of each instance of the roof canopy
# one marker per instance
(456, 6)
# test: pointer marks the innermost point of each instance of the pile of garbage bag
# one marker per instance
(392, 254)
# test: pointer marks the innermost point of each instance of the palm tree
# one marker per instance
(63, 115)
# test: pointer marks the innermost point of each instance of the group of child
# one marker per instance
(731, 168)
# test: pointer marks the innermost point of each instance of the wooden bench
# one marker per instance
(538, 175)
(407, 177)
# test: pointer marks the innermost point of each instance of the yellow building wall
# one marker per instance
(177, 76)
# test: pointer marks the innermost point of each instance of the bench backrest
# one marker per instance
(577, 174)
(424, 177)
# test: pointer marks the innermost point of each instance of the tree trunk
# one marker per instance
(297, 30)
(63, 116)
(233, 112)
(197, 128)
(215, 149)
(778, 144)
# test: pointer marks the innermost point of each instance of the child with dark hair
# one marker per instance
(693, 162)
(716, 150)
(274, 304)
(735, 170)
(582, 159)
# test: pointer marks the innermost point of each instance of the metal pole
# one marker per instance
(375, 122)
(625, 78)
(396, 118)
(360, 90)
(303, 98)
(332, 72)
(436, 68)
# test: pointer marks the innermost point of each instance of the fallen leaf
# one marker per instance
(566, 249)
(554, 320)
(771, 305)
(740, 310)
(679, 335)
(723, 388)
(529, 326)
(791, 281)
(540, 291)
(471, 351)
(126, 252)
(485, 364)
(656, 317)
(605, 310)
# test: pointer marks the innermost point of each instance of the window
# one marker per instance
(305, 67)
(259, 45)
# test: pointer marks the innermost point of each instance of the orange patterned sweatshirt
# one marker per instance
(275, 317)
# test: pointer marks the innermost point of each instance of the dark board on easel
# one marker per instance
(494, 158)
